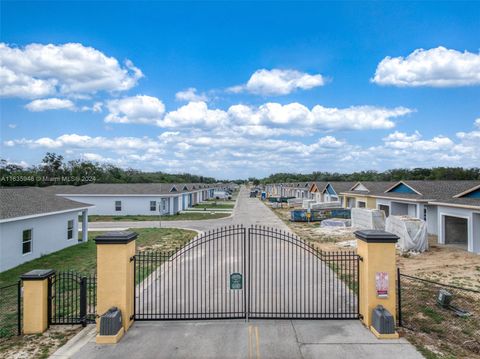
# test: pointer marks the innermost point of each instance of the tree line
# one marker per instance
(436, 173)
(54, 170)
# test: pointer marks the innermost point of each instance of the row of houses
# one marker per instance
(451, 209)
(36, 221)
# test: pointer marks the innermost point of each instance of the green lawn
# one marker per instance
(82, 257)
(217, 204)
(175, 217)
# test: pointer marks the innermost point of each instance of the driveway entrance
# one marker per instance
(237, 272)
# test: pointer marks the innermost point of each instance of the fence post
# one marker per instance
(377, 272)
(36, 300)
(399, 297)
(83, 301)
(115, 274)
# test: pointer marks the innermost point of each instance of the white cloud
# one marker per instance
(400, 140)
(194, 114)
(319, 117)
(137, 109)
(477, 123)
(12, 125)
(71, 69)
(220, 154)
(437, 67)
(50, 104)
(268, 119)
(278, 82)
(190, 94)
(96, 107)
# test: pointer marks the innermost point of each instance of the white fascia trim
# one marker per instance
(43, 214)
(401, 182)
(455, 205)
(467, 191)
(401, 199)
(355, 185)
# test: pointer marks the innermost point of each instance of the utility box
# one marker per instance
(111, 322)
(382, 320)
(444, 298)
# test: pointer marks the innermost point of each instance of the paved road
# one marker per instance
(256, 339)
(248, 211)
(239, 338)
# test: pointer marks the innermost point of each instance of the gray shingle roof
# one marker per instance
(27, 201)
(373, 187)
(432, 190)
(127, 188)
(340, 186)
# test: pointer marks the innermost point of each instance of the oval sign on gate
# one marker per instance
(236, 281)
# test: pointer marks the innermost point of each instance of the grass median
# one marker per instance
(82, 257)
(191, 216)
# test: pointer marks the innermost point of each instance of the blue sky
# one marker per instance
(242, 89)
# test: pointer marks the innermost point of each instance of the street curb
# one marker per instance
(76, 343)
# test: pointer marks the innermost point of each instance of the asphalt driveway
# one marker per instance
(285, 339)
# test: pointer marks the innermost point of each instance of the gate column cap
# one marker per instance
(37, 274)
(116, 237)
(376, 236)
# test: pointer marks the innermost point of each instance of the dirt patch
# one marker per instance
(436, 332)
(446, 264)
(38, 346)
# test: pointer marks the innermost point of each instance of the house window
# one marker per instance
(164, 204)
(153, 205)
(361, 204)
(70, 229)
(27, 241)
(424, 213)
(385, 209)
(118, 206)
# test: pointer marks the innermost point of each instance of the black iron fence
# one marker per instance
(10, 310)
(233, 272)
(73, 298)
(444, 316)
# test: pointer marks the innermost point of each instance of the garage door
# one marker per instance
(456, 230)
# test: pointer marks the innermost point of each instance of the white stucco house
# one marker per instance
(34, 222)
(136, 198)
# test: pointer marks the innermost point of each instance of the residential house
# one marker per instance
(34, 222)
(137, 198)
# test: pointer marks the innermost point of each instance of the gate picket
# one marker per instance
(282, 277)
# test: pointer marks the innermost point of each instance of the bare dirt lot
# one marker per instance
(436, 332)
(38, 346)
(446, 264)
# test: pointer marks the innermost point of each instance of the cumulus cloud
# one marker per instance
(437, 67)
(50, 104)
(477, 122)
(273, 118)
(223, 155)
(72, 69)
(136, 109)
(193, 114)
(278, 82)
(319, 117)
(190, 94)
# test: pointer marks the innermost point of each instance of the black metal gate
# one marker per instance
(233, 272)
(192, 282)
(73, 298)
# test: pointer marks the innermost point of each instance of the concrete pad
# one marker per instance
(337, 331)
(359, 351)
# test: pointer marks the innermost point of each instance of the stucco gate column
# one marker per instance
(35, 300)
(115, 272)
(378, 269)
